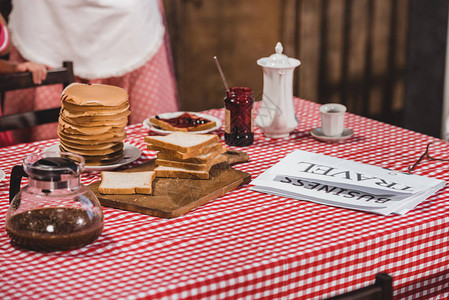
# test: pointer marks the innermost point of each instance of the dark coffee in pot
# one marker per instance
(55, 228)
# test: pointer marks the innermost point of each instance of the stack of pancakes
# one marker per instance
(92, 122)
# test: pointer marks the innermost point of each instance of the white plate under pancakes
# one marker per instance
(147, 123)
(131, 153)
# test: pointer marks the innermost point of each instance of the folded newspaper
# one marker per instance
(333, 181)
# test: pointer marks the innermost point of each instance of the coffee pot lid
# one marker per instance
(57, 166)
(278, 60)
(51, 168)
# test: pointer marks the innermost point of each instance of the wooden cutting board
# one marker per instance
(173, 197)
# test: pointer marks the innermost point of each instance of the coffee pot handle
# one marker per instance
(16, 179)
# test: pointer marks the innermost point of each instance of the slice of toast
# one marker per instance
(171, 172)
(200, 159)
(126, 183)
(182, 141)
(187, 122)
(182, 155)
(191, 166)
(166, 126)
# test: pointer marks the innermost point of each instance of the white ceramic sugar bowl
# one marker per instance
(276, 116)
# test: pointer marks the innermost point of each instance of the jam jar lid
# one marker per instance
(278, 60)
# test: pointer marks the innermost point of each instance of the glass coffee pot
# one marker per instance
(54, 211)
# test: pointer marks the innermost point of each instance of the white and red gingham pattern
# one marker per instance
(247, 244)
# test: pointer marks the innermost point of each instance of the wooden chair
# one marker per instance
(15, 81)
(5, 8)
(382, 289)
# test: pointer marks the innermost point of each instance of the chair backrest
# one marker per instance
(5, 8)
(382, 289)
(15, 81)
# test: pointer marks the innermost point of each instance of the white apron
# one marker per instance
(103, 38)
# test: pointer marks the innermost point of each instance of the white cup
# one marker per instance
(332, 119)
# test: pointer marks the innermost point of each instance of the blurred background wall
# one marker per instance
(362, 53)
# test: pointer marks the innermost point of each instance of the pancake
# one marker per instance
(87, 130)
(93, 152)
(73, 108)
(90, 146)
(104, 159)
(95, 115)
(94, 95)
(71, 129)
(97, 160)
(94, 139)
(115, 122)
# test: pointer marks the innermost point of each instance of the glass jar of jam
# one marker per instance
(239, 125)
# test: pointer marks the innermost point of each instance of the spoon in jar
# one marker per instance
(221, 73)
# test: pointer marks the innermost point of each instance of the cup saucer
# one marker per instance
(318, 134)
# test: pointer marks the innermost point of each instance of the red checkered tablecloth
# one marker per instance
(247, 244)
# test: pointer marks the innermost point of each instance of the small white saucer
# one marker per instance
(318, 134)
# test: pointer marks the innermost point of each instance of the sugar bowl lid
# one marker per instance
(278, 60)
